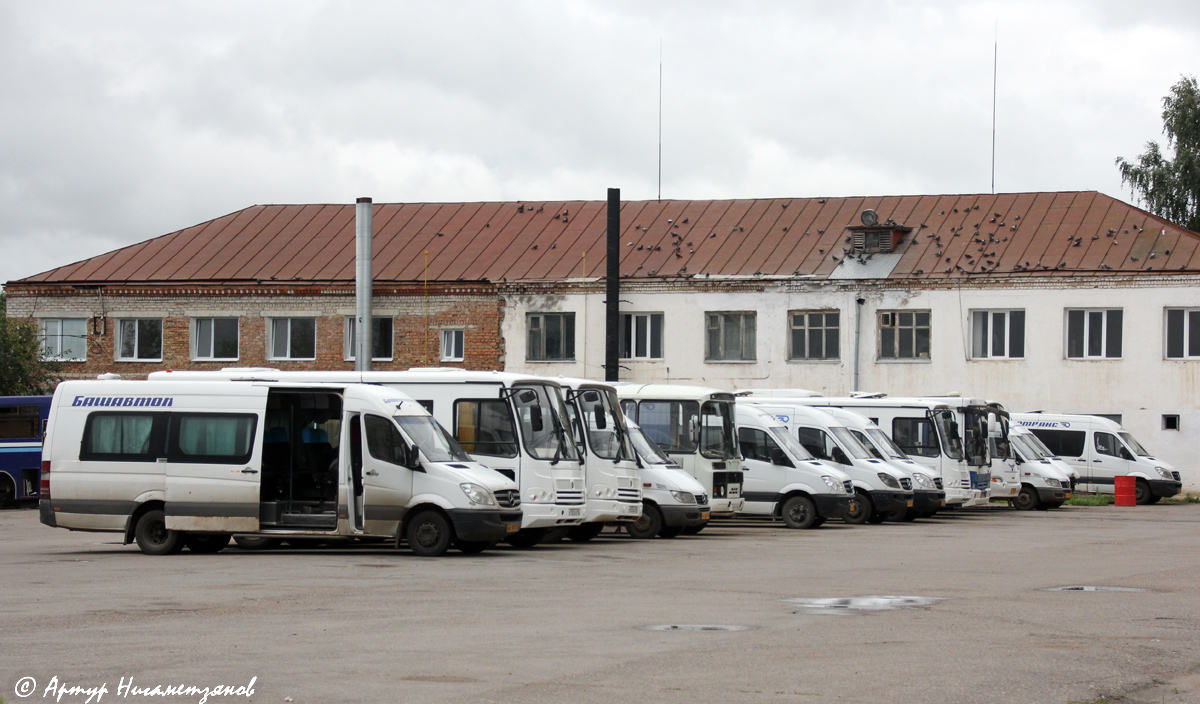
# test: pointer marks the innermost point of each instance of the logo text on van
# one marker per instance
(124, 401)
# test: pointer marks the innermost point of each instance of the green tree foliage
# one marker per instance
(1170, 188)
(22, 371)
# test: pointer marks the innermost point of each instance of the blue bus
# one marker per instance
(22, 427)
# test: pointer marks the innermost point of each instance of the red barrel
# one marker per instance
(1126, 488)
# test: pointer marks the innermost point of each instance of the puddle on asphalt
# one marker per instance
(1084, 588)
(858, 604)
(694, 627)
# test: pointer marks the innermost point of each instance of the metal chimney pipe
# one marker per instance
(612, 290)
(363, 284)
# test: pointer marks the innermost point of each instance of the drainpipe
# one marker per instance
(857, 335)
(612, 289)
(363, 284)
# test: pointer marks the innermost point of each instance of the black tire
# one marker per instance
(1053, 504)
(152, 535)
(429, 534)
(861, 509)
(1027, 500)
(648, 525)
(877, 517)
(911, 515)
(799, 512)
(554, 535)
(206, 543)
(670, 531)
(585, 531)
(897, 515)
(1141, 493)
(695, 530)
(473, 547)
(255, 542)
(1154, 499)
(526, 537)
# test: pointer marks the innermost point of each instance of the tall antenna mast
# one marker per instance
(660, 62)
(995, 62)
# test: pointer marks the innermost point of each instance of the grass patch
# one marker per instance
(1188, 498)
(1089, 500)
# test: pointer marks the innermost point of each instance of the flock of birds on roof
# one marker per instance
(982, 260)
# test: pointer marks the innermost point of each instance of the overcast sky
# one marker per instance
(122, 121)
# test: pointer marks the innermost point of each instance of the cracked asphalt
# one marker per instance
(571, 622)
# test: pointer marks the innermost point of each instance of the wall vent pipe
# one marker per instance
(363, 284)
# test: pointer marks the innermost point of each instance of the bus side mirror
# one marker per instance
(412, 458)
(535, 418)
(601, 423)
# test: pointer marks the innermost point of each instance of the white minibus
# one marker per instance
(1045, 482)
(174, 464)
(673, 502)
(694, 426)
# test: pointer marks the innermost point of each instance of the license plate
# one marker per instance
(704, 515)
(512, 527)
(910, 504)
(943, 503)
(573, 512)
(1068, 495)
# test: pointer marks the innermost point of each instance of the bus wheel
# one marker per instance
(255, 542)
(897, 515)
(1027, 500)
(860, 509)
(207, 543)
(693, 530)
(670, 531)
(799, 512)
(429, 534)
(526, 537)
(585, 531)
(152, 535)
(472, 547)
(648, 525)
(1141, 494)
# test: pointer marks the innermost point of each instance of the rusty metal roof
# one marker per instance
(952, 236)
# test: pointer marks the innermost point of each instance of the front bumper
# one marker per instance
(832, 505)
(537, 515)
(1164, 488)
(46, 513)
(610, 510)
(684, 516)
(887, 501)
(726, 507)
(930, 500)
(483, 524)
(1049, 494)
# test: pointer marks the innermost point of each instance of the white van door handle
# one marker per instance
(249, 471)
(1097, 460)
(372, 473)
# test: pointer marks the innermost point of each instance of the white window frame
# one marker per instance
(1190, 333)
(983, 337)
(792, 327)
(55, 351)
(351, 344)
(271, 330)
(893, 319)
(716, 322)
(1090, 316)
(629, 335)
(453, 344)
(120, 335)
(198, 322)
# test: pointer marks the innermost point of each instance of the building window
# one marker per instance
(381, 338)
(64, 339)
(814, 334)
(904, 334)
(1183, 334)
(215, 338)
(551, 337)
(1170, 421)
(293, 338)
(453, 344)
(730, 337)
(139, 339)
(641, 336)
(1094, 334)
(997, 334)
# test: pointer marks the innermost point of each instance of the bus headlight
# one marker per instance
(1053, 483)
(889, 481)
(1162, 472)
(536, 495)
(478, 495)
(923, 480)
(683, 497)
(833, 483)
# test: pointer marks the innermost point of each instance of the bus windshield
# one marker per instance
(598, 420)
(646, 448)
(432, 439)
(947, 428)
(975, 436)
(542, 417)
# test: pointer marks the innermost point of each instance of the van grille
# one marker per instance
(906, 483)
(1176, 475)
(629, 495)
(569, 497)
(508, 498)
(702, 499)
(848, 487)
(937, 481)
(966, 484)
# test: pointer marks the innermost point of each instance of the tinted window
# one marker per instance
(221, 438)
(485, 427)
(384, 442)
(1063, 443)
(1108, 444)
(915, 436)
(125, 437)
